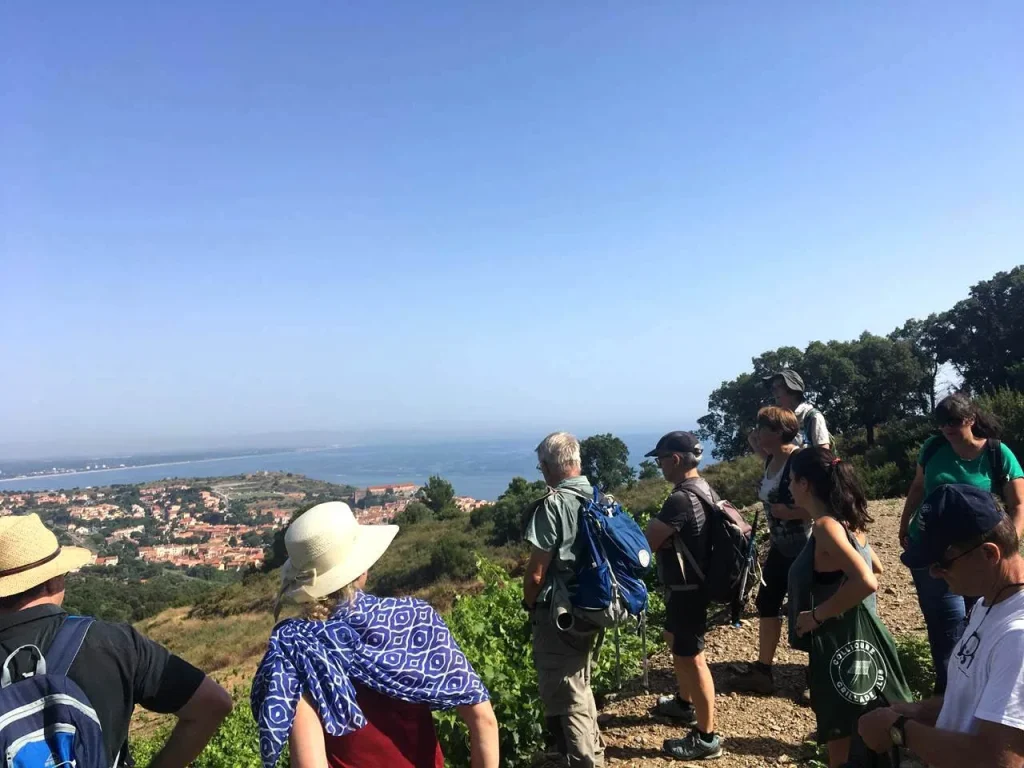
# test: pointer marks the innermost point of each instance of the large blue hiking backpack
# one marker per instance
(46, 720)
(611, 564)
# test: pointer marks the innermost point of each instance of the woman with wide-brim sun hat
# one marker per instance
(352, 683)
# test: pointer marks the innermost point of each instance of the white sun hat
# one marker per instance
(327, 549)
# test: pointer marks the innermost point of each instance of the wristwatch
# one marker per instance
(897, 732)
(525, 605)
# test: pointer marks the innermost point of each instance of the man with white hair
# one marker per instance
(562, 656)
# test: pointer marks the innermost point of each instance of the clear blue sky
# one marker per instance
(220, 219)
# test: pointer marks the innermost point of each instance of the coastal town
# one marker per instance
(223, 523)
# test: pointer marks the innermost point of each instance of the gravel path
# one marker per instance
(757, 730)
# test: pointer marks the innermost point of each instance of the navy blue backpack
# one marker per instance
(46, 720)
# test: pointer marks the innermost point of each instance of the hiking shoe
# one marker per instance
(693, 747)
(757, 679)
(803, 699)
(676, 709)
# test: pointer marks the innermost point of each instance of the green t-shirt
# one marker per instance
(945, 467)
(553, 528)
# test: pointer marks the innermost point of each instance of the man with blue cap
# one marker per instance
(970, 542)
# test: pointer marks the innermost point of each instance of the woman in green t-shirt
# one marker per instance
(968, 452)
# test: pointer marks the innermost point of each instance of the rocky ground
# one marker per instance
(757, 730)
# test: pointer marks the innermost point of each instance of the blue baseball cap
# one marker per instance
(952, 514)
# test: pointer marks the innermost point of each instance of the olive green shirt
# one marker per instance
(552, 528)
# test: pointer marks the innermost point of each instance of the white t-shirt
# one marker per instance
(769, 483)
(986, 677)
(815, 430)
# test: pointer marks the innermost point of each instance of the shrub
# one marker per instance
(494, 633)
(416, 512)
(884, 482)
(916, 660)
(482, 516)
(452, 557)
(236, 744)
(1008, 407)
(736, 480)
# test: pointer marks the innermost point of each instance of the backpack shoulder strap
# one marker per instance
(66, 645)
(707, 499)
(929, 452)
(995, 462)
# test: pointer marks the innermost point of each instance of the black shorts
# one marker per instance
(686, 617)
(772, 594)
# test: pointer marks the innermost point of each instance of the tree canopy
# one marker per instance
(605, 461)
(438, 494)
(874, 380)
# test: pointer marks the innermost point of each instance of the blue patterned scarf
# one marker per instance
(399, 647)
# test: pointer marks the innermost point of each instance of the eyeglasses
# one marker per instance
(969, 647)
(947, 562)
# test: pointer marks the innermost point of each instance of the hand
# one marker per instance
(909, 709)
(874, 729)
(781, 511)
(904, 535)
(805, 623)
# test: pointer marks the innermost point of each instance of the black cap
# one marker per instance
(952, 514)
(790, 378)
(677, 442)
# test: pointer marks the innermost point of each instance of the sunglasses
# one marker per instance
(947, 562)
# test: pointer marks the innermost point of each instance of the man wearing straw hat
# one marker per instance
(116, 667)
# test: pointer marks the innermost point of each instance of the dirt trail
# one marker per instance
(757, 730)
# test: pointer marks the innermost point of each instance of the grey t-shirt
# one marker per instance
(813, 430)
(553, 527)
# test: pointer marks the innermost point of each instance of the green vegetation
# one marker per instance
(877, 393)
(114, 598)
(916, 661)
(235, 745)
(439, 495)
(494, 632)
(605, 461)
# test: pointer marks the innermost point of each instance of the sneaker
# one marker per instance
(804, 698)
(693, 747)
(676, 709)
(757, 679)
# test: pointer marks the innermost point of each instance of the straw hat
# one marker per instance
(328, 549)
(30, 554)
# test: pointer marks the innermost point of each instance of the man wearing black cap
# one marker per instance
(681, 527)
(967, 540)
(787, 388)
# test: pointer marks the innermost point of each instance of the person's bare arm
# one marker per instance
(876, 564)
(993, 744)
(1013, 496)
(306, 742)
(831, 541)
(198, 720)
(926, 711)
(536, 569)
(483, 734)
(915, 495)
(658, 533)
